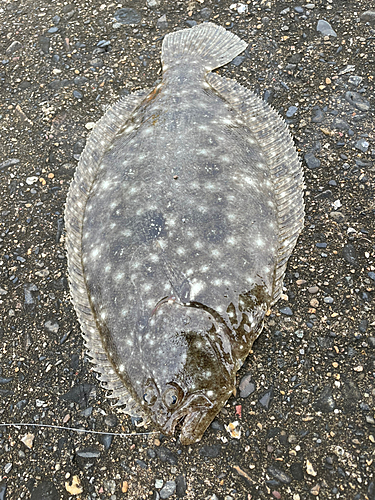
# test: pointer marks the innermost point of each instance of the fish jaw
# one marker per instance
(197, 413)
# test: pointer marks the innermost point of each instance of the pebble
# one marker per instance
(313, 289)
(9, 163)
(325, 28)
(279, 474)
(363, 325)
(153, 3)
(109, 486)
(292, 110)
(128, 15)
(13, 47)
(355, 80)
(106, 440)
(357, 101)
(315, 490)
(318, 116)
(31, 296)
(246, 387)
(286, 311)
(310, 469)
(51, 326)
(312, 161)
(79, 393)
(31, 180)
(181, 486)
(296, 470)
(3, 490)
(266, 399)
(45, 490)
(162, 22)
(168, 490)
(8, 467)
(210, 451)
(368, 17)
(166, 455)
(325, 402)
(362, 145)
(159, 483)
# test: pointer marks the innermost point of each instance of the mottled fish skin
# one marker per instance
(179, 247)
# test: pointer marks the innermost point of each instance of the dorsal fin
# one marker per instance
(97, 144)
(285, 168)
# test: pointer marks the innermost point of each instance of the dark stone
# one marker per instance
(210, 451)
(246, 387)
(86, 457)
(356, 100)
(45, 491)
(266, 399)
(166, 455)
(371, 491)
(168, 489)
(205, 13)
(350, 254)
(340, 124)
(181, 486)
(292, 110)
(217, 426)
(295, 58)
(312, 161)
(296, 470)
(318, 115)
(191, 23)
(3, 490)
(350, 395)
(287, 311)
(44, 42)
(237, 61)
(106, 440)
(368, 16)
(141, 463)
(325, 403)
(128, 16)
(31, 297)
(279, 474)
(363, 325)
(151, 453)
(9, 163)
(80, 393)
(325, 28)
(111, 420)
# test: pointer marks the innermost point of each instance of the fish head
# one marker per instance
(190, 375)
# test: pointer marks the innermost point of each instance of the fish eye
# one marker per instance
(150, 395)
(172, 397)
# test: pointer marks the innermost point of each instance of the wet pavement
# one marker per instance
(305, 401)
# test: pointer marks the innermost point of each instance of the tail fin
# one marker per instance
(214, 45)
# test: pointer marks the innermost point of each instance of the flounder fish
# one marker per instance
(185, 207)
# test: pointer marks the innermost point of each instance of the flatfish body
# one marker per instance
(185, 207)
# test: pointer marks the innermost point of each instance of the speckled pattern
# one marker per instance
(181, 233)
(305, 395)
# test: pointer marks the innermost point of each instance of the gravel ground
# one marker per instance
(305, 405)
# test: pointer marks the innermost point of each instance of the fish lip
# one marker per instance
(203, 403)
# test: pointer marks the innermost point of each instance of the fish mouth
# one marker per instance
(196, 414)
